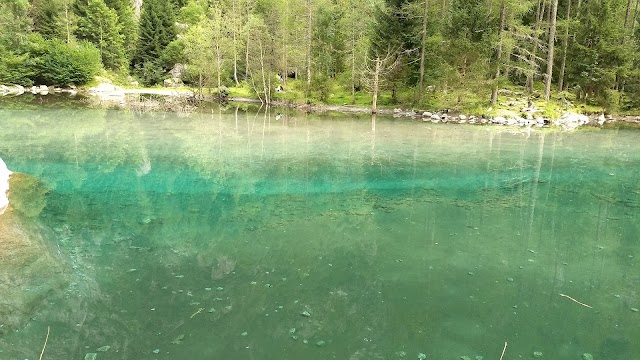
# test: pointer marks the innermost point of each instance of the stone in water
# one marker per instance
(104, 348)
(537, 354)
(91, 356)
(422, 356)
(587, 356)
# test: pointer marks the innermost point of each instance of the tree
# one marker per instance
(156, 31)
(128, 23)
(98, 24)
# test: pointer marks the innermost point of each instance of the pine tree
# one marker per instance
(156, 31)
(98, 24)
(127, 21)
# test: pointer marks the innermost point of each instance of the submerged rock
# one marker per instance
(587, 356)
(29, 270)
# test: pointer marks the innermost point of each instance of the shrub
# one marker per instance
(62, 64)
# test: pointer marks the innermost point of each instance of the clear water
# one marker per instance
(209, 236)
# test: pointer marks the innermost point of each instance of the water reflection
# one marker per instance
(234, 234)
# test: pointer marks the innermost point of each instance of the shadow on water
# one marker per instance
(240, 233)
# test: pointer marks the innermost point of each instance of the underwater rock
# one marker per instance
(29, 270)
(422, 356)
(537, 354)
(104, 348)
(90, 356)
(587, 356)
(321, 343)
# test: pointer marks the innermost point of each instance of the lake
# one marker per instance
(230, 234)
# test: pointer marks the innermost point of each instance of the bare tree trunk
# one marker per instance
(627, 14)
(264, 79)
(66, 20)
(532, 59)
(423, 49)
(353, 52)
(635, 18)
(376, 84)
(494, 89)
(552, 39)
(308, 59)
(235, 44)
(565, 47)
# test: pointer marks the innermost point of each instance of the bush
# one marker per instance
(13, 69)
(64, 64)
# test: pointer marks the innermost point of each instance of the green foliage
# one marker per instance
(63, 64)
(156, 31)
(98, 24)
(128, 24)
(13, 69)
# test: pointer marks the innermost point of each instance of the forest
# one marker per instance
(429, 53)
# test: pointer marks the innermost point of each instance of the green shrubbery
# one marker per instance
(50, 62)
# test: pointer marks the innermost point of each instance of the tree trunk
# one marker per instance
(66, 20)
(376, 80)
(353, 58)
(552, 39)
(532, 59)
(234, 28)
(264, 80)
(308, 59)
(635, 18)
(565, 47)
(423, 49)
(494, 89)
(628, 13)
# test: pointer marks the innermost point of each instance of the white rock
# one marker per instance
(462, 117)
(435, 117)
(499, 120)
(601, 120)
(4, 186)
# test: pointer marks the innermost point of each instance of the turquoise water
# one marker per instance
(231, 235)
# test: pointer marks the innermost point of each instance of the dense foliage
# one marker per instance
(420, 49)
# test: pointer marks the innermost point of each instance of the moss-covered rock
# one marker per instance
(30, 270)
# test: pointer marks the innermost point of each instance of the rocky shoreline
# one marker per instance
(526, 117)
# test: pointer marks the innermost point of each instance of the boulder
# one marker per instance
(29, 270)
(571, 121)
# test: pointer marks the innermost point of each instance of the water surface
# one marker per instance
(231, 235)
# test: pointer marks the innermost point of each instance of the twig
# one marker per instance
(503, 350)
(576, 301)
(45, 342)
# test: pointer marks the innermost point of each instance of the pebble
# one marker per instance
(587, 356)
(321, 343)
(305, 313)
(422, 356)
(537, 354)
(156, 351)
(510, 279)
(91, 356)
(104, 348)
(634, 309)
(305, 341)
(244, 334)
(212, 310)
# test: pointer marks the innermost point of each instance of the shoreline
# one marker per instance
(525, 117)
